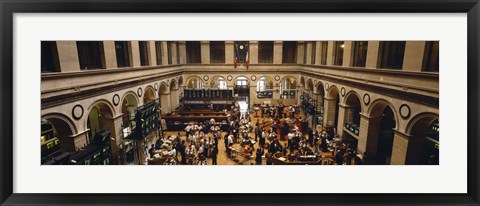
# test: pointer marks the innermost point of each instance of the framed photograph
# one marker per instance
(152, 102)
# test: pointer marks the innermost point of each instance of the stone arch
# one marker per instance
(352, 108)
(320, 88)
(241, 90)
(421, 147)
(290, 77)
(129, 103)
(106, 103)
(302, 81)
(242, 76)
(421, 119)
(130, 93)
(64, 128)
(332, 92)
(216, 78)
(163, 89)
(378, 105)
(348, 97)
(269, 84)
(149, 95)
(64, 125)
(288, 86)
(100, 115)
(309, 85)
(382, 123)
(192, 80)
(174, 85)
(180, 81)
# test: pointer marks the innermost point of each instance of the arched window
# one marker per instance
(288, 88)
(218, 83)
(264, 87)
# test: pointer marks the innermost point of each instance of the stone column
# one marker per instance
(165, 103)
(318, 51)
(164, 53)
(173, 46)
(309, 53)
(253, 95)
(369, 134)
(300, 52)
(174, 98)
(319, 100)
(276, 92)
(183, 52)
(109, 55)
(152, 53)
(68, 56)
(117, 141)
(300, 90)
(343, 112)
(413, 59)
(399, 149)
(329, 112)
(205, 52)
(330, 53)
(347, 54)
(229, 52)
(277, 52)
(134, 53)
(373, 54)
(253, 52)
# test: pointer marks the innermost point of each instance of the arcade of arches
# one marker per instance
(383, 110)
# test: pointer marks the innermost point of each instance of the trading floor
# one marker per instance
(328, 102)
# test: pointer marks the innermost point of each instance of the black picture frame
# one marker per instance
(10, 7)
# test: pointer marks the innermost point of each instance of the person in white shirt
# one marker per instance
(200, 151)
(230, 140)
(290, 135)
(193, 150)
(195, 137)
(188, 129)
(272, 135)
(173, 153)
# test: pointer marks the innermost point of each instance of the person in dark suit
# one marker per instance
(150, 151)
(182, 152)
(225, 139)
(339, 158)
(259, 154)
(214, 156)
(310, 137)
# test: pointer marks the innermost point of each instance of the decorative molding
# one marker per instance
(327, 86)
(404, 95)
(116, 99)
(85, 94)
(155, 86)
(229, 77)
(139, 92)
(404, 111)
(77, 112)
(342, 91)
(366, 99)
(277, 78)
(253, 77)
(205, 77)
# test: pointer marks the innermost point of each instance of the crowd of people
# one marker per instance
(277, 124)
